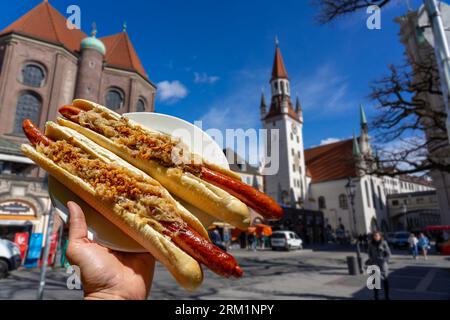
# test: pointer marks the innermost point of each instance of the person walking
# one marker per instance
(424, 245)
(413, 241)
(379, 254)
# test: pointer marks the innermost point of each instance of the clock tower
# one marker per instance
(284, 126)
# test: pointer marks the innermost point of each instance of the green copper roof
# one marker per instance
(362, 114)
(356, 151)
(93, 43)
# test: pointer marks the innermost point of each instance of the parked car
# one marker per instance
(286, 240)
(390, 238)
(400, 239)
(9, 257)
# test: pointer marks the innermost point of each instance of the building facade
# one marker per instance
(329, 178)
(44, 65)
(419, 49)
(414, 210)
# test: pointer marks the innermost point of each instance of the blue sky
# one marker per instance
(216, 56)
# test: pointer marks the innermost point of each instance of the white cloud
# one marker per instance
(171, 91)
(205, 78)
(329, 140)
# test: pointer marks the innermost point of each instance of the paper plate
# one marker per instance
(99, 228)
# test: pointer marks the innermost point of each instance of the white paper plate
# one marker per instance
(104, 232)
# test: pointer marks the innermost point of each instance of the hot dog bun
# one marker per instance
(183, 267)
(199, 193)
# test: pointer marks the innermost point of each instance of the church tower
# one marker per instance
(90, 67)
(284, 145)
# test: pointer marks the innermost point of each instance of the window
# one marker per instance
(343, 204)
(282, 87)
(293, 167)
(114, 99)
(367, 194)
(322, 203)
(298, 154)
(32, 75)
(140, 105)
(276, 85)
(374, 196)
(298, 139)
(28, 107)
(380, 198)
(395, 203)
(293, 152)
(292, 136)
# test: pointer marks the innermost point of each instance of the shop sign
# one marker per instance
(16, 208)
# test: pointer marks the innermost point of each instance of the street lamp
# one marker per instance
(350, 187)
(405, 211)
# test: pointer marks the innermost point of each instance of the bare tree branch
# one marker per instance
(330, 10)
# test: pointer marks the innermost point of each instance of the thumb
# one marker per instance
(77, 226)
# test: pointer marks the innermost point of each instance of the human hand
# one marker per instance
(105, 273)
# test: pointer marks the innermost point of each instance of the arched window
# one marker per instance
(282, 87)
(322, 203)
(32, 75)
(367, 193)
(114, 99)
(140, 105)
(380, 198)
(343, 203)
(28, 107)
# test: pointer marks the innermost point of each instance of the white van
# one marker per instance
(286, 240)
(9, 257)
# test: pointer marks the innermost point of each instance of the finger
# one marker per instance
(77, 226)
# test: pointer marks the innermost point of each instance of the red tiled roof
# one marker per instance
(46, 23)
(275, 108)
(331, 161)
(278, 70)
(120, 53)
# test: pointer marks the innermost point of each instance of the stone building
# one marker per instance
(327, 178)
(417, 38)
(44, 65)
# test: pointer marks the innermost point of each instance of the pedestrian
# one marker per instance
(379, 254)
(251, 241)
(413, 241)
(424, 245)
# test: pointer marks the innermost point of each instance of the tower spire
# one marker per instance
(362, 114)
(263, 106)
(278, 69)
(94, 29)
(356, 151)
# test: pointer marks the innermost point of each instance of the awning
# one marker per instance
(17, 222)
(13, 158)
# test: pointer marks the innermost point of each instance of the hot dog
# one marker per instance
(213, 189)
(132, 200)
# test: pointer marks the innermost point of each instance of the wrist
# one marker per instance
(102, 296)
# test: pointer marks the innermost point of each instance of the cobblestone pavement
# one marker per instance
(308, 274)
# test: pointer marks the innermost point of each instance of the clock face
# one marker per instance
(294, 128)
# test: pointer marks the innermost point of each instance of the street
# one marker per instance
(313, 273)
